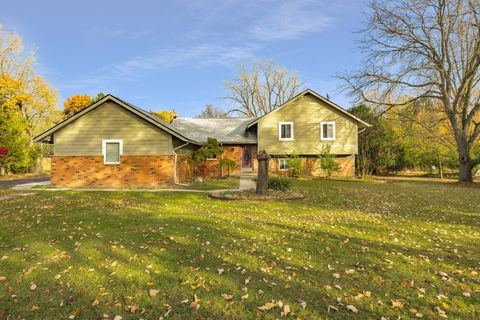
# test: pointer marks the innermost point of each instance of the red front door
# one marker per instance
(247, 158)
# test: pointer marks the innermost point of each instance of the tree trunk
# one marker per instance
(465, 173)
(262, 175)
(465, 162)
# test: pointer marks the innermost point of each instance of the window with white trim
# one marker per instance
(285, 131)
(283, 164)
(212, 157)
(112, 151)
(327, 130)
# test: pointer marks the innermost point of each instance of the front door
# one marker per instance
(247, 158)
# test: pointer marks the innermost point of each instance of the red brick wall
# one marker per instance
(133, 171)
(312, 167)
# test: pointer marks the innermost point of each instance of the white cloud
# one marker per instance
(136, 67)
(290, 20)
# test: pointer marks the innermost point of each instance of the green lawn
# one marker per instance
(214, 184)
(380, 248)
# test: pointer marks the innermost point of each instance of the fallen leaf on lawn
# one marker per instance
(267, 306)
(441, 313)
(220, 271)
(336, 275)
(153, 292)
(303, 304)
(245, 297)
(34, 308)
(117, 318)
(195, 303)
(286, 311)
(4, 258)
(466, 294)
(132, 308)
(95, 302)
(330, 307)
(163, 249)
(33, 286)
(397, 304)
(350, 271)
(3, 278)
(352, 308)
(227, 296)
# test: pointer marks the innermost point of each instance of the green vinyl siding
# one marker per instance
(307, 112)
(84, 136)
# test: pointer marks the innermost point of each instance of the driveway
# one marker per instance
(11, 183)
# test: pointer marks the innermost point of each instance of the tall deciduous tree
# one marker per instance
(76, 103)
(209, 111)
(27, 103)
(261, 88)
(425, 49)
(22, 88)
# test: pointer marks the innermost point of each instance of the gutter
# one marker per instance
(175, 164)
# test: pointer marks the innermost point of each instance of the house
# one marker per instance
(115, 144)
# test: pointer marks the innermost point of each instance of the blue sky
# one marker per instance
(177, 54)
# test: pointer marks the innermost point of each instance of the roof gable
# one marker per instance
(321, 98)
(131, 108)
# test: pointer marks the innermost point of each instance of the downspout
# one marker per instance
(221, 165)
(175, 164)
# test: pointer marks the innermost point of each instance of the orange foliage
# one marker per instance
(76, 103)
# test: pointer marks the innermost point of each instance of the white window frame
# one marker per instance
(280, 124)
(334, 130)
(104, 149)
(286, 162)
(210, 158)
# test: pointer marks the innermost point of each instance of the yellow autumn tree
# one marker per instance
(76, 103)
(27, 103)
(165, 115)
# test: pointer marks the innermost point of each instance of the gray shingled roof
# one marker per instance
(225, 130)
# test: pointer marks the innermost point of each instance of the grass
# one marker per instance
(381, 247)
(215, 184)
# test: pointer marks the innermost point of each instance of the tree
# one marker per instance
(425, 134)
(165, 115)
(209, 148)
(213, 112)
(425, 49)
(262, 88)
(328, 164)
(13, 135)
(21, 88)
(379, 148)
(27, 103)
(99, 96)
(76, 103)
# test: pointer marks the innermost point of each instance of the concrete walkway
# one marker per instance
(30, 185)
(246, 183)
(10, 183)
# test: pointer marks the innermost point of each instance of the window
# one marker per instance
(285, 131)
(112, 150)
(212, 157)
(283, 164)
(327, 130)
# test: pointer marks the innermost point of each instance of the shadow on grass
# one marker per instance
(171, 242)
